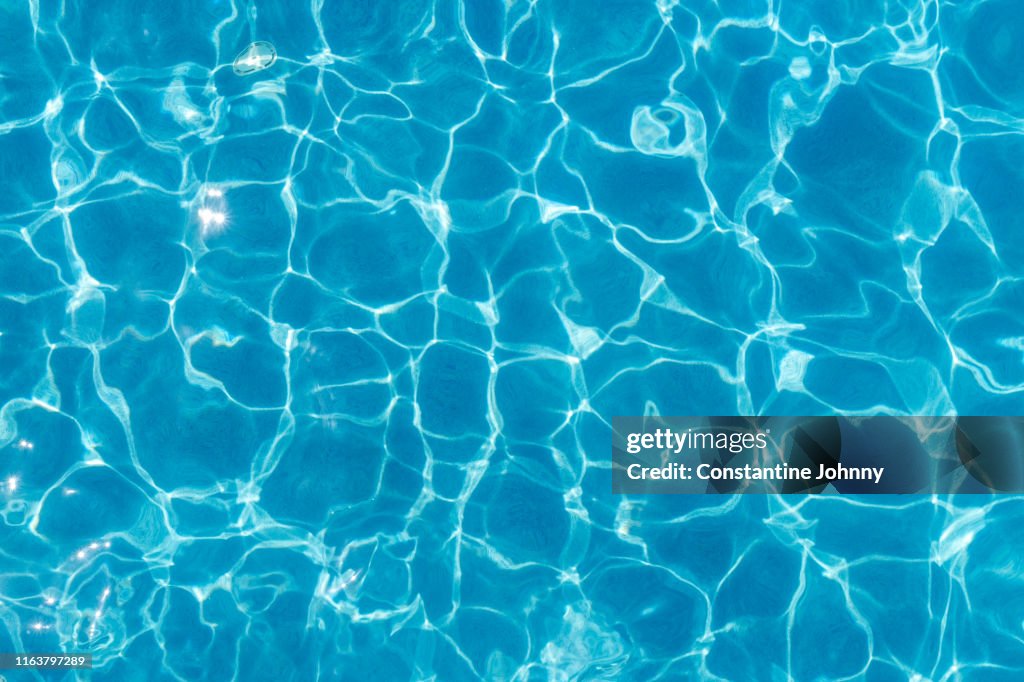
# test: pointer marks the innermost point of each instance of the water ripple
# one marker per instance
(308, 373)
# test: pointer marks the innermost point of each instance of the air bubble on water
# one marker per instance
(676, 128)
(800, 68)
(180, 105)
(68, 171)
(258, 56)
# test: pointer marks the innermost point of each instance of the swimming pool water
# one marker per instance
(307, 367)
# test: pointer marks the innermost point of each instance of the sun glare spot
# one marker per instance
(212, 221)
(212, 212)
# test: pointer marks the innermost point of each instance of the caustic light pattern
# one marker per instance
(314, 317)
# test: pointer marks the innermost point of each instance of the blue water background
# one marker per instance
(309, 374)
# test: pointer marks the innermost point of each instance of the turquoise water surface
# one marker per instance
(308, 358)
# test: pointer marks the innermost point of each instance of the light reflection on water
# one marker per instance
(308, 372)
